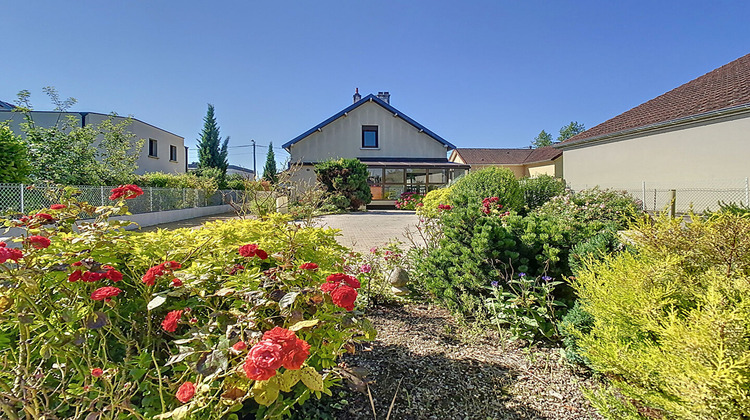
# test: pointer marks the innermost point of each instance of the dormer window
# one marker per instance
(370, 137)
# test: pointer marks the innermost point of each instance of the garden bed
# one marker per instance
(442, 370)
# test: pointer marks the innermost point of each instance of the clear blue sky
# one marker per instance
(477, 73)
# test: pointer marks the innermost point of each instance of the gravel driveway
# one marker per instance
(364, 230)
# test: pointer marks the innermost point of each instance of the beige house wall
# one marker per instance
(343, 138)
(547, 168)
(698, 154)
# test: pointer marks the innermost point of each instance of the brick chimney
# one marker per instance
(385, 97)
(357, 96)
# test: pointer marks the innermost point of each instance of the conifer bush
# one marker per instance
(471, 189)
(671, 321)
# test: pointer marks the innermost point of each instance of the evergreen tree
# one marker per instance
(542, 139)
(269, 171)
(212, 153)
(570, 130)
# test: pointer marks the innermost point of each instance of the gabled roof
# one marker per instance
(6, 106)
(507, 156)
(723, 89)
(355, 105)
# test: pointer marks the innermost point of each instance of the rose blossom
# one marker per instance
(105, 293)
(126, 191)
(9, 253)
(57, 206)
(75, 276)
(96, 372)
(170, 321)
(267, 355)
(239, 346)
(344, 297)
(341, 278)
(252, 250)
(254, 372)
(38, 242)
(309, 266)
(176, 282)
(185, 392)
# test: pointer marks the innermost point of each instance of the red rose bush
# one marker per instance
(248, 314)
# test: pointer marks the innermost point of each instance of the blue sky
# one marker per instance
(477, 73)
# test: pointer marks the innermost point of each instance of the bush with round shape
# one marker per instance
(470, 190)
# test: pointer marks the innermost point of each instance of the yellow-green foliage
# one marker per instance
(672, 321)
(432, 200)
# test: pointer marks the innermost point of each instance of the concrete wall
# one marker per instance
(698, 154)
(343, 138)
(142, 130)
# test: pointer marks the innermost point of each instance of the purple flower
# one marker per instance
(494, 284)
(366, 268)
(546, 278)
(522, 275)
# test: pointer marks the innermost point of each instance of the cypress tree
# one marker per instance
(212, 152)
(269, 171)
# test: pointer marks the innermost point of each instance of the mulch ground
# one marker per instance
(439, 370)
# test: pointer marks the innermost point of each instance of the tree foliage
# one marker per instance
(346, 182)
(570, 130)
(542, 139)
(14, 159)
(270, 171)
(71, 153)
(212, 152)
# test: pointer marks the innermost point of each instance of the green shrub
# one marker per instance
(184, 180)
(573, 326)
(471, 189)
(539, 190)
(14, 159)
(432, 200)
(73, 355)
(345, 181)
(672, 321)
(236, 181)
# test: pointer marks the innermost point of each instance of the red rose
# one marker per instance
(113, 274)
(75, 276)
(127, 191)
(150, 277)
(9, 253)
(236, 269)
(185, 392)
(57, 206)
(344, 278)
(261, 254)
(77, 264)
(96, 372)
(38, 242)
(171, 265)
(329, 287)
(282, 337)
(267, 355)
(170, 321)
(344, 297)
(294, 350)
(297, 355)
(254, 372)
(239, 346)
(105, 293)
(91, 276)
(309, 266)
(45, 217)
(252, 250)
(176, 282)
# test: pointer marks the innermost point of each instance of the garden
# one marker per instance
(514, 299)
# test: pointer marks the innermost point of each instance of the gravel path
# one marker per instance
(447, 373)
(364, 230)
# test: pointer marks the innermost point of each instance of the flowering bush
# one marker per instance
(432, 201)
(208, 323)
(409, 201)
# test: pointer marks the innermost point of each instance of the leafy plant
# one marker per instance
(471, 189)
(538, 190)
(238, 317)
(671, 320)
(432, 201)
(14, 157)
(409, 201)
(346, 182)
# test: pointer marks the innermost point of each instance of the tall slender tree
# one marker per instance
(269, 171)
(212, 152)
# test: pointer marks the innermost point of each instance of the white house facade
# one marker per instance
(401, 154)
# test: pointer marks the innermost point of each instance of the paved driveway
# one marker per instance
(362, 231)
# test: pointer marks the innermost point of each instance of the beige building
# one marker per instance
(401, 154)
(523, 162)
(162, 151)
(696, 135)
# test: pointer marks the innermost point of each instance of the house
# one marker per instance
(162, 151)
(523, 162)
(401, 155)
(231, 169)
(695, 134)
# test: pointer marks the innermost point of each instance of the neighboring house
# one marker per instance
(523, 162)
(231, 169)
(162, 151)
(695, 134)
(401, 154)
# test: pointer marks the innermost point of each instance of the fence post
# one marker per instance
(673, 199)
(23, 209)
(747, 193)
(151, 198)
(643, 203)
(102, 194)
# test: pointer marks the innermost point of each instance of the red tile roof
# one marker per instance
(507, 156)
(726, 87)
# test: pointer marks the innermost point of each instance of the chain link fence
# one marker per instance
(698, 196)
(24, 198)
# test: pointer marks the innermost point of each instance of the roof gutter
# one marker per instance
(739, 109)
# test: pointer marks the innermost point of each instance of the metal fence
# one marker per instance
(698, 196)
(24, 198)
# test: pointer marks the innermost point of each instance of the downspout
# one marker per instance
(83, 118)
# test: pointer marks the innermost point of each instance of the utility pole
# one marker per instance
(255, 169)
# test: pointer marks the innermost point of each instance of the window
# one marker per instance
(370, 137)
(173, 153)
(152, 148)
